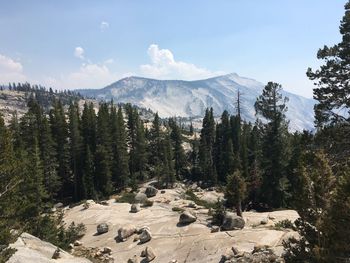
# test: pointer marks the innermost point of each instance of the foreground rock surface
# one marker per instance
(170, 241)
(31, 249)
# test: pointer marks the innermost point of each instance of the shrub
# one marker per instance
(285, 224)
(218, 213)
(126, 198)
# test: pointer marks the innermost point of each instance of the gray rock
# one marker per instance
(58, 205)
(215, 229)
(135, 208)
(134, 259)
(77, 243)
(264, 221)
(187, 218)
(140, 198)
(145, 236)
(102, 228)
(149, 254)
(125, 232)
(232, 222)
(151, 191)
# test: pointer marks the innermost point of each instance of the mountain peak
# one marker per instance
(191, 98)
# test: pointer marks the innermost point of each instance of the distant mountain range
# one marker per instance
(191, 98)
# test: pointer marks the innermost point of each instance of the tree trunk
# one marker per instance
(239, 208)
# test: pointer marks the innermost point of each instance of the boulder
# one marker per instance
(134, 259)
(135, 208)
(125, 232)
(264, 221)
(149, 254)
(107, 250)
(140, 198)
(215, 229)
(78, 243)
(102, 228)
(187, 218)
(58, 205)
(232, 222)
(151, 191)
(145, 236)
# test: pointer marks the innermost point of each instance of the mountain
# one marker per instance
(191, 98)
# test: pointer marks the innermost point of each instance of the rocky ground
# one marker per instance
(174, 242)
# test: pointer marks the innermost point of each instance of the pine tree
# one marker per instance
(235, 191)
(88, 175)
(75, 148)
(332, 78)
(206, 148)
(271, 105)
(178, 151)
(59, 131)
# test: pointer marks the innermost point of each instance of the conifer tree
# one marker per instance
(235, 191)
(178, 151)
(271, 105)
(75, 148)
(88, 175)
(206, 148)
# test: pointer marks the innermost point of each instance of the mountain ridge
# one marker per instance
(184, 98)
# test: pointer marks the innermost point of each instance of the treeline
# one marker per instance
(45, 97)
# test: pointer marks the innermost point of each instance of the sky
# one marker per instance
(89, 43)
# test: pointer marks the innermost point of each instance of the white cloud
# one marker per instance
(79, 52)
(164, 66)
(104, 26)
(10, 70)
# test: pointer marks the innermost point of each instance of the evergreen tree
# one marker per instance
(179, 153)
(235, 191)
(59, 131)
(75, 148)
(332, 78)
(120, 168)
(271, 105)
(206, 148)
(88, 175)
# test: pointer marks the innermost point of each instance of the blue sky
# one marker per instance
(90, 43)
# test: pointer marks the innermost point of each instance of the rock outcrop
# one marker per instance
(30, 249)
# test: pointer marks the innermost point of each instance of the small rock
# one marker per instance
(78, 243)
(58, 205)
(107, 250)
(135, 208)
(134, 259)
(271, 217)
(125, 232)
(104, 202)
(162, 192)
(151, 191)
(56, 254)
(71, 246)
(192, 205)
(215, 229)
(232, 222)
(149, 254)
(102, 228)
(145, 236)
(136, 238)
(140, 198)
(264, 221)
(228, 254)
(177, 198)
(187, 218)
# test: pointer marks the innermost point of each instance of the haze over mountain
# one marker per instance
(191, 98)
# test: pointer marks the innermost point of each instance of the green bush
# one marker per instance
(192, 196)
(285, 224)
(126, 198)
(218, 213)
